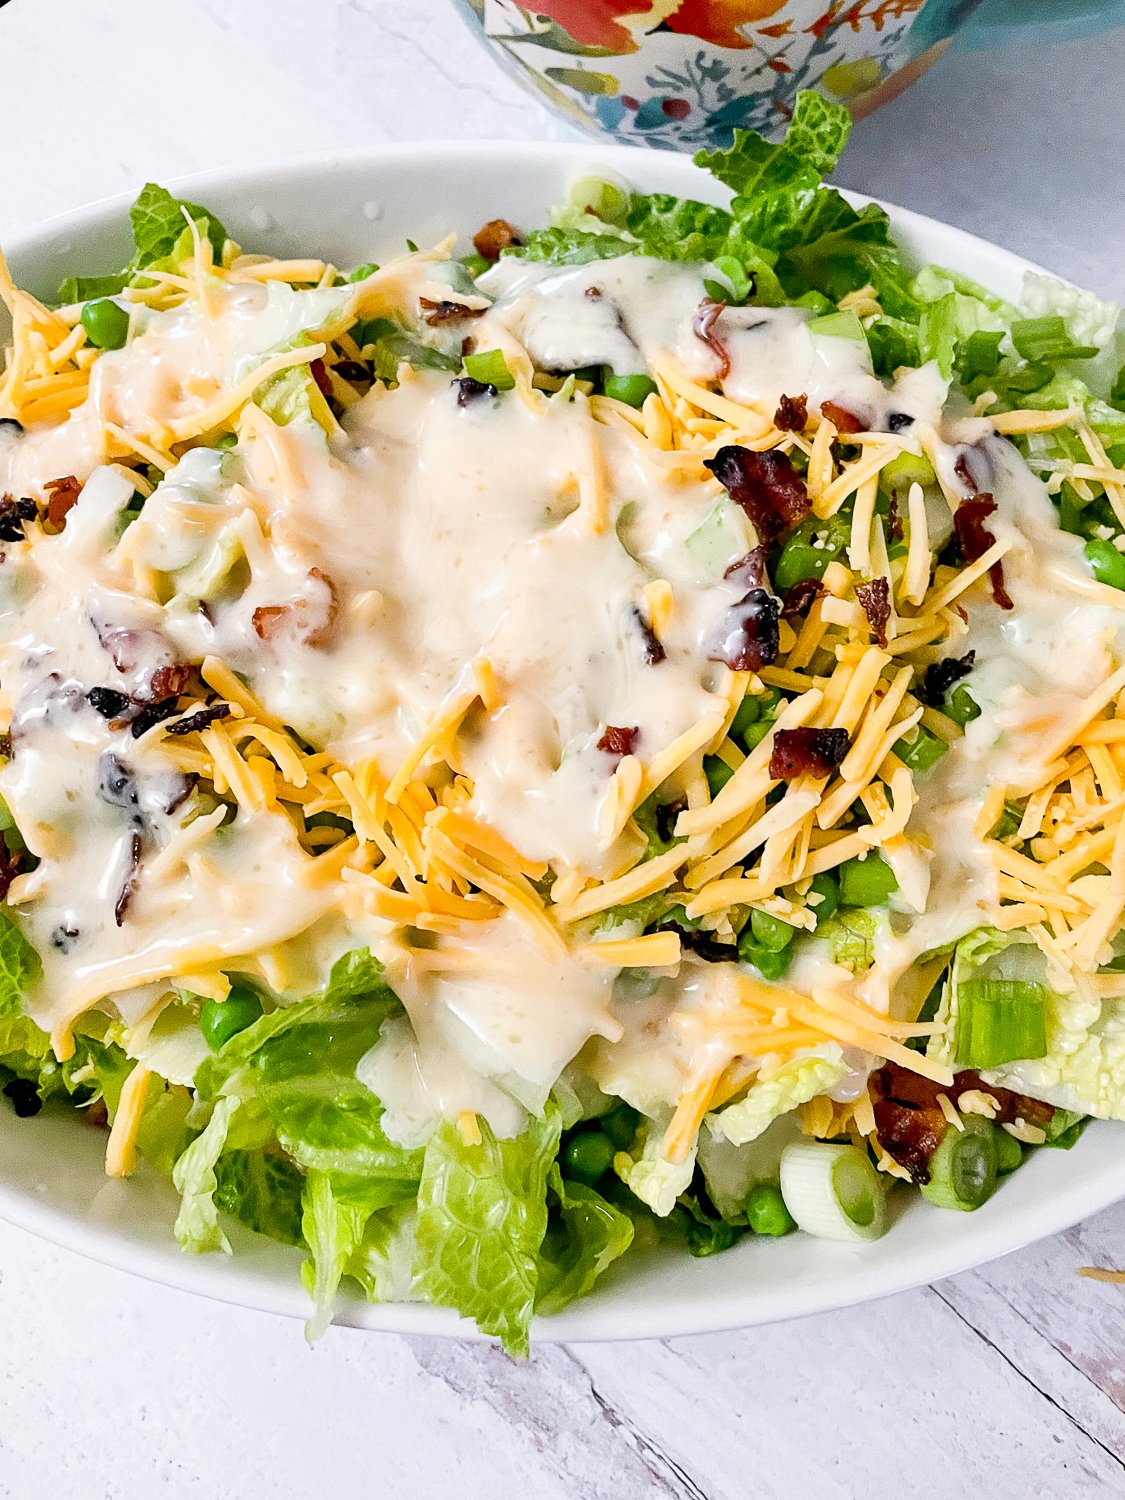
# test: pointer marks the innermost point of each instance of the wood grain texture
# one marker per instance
(1007, 1382)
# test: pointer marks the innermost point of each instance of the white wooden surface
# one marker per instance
(1007, 1382)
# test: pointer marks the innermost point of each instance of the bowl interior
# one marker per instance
(351, 209)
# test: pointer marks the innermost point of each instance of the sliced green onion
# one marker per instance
(980, 354)
(717, 772)
(962, 707)
(838, 325)
(598, 196)
(833, 1191)
(809, 549)
(490, 368)
(634, 390)
(476, 265)
(361, 273)
(1106, 563)
(1046, 338)
(906, 469)
(1009, 1153)
(999, 1021)
(963, 1168)
(866, 881)
(922, 752)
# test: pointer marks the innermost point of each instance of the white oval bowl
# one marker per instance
(353, 208)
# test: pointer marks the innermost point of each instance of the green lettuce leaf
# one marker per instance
(585, 1234)
(649, 1175)
(197, 1224)
(19, 967)
(813, 144)
(383, 1263)
(158, 221)
(262, 1189)
(482, 1218)
(794, 1083)
(160, 233)
(332, 1231)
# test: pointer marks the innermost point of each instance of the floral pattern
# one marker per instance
(686, 73)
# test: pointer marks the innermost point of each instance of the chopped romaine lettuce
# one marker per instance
(794, 1083)
(482, 1218)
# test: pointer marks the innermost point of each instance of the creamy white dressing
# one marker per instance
(355, 582)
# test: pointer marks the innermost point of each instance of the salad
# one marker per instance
(613, 737)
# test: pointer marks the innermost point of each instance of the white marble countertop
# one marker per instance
(1009, 1381)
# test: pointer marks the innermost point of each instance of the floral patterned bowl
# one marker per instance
(684, 74)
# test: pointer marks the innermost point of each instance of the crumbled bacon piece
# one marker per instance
(617, 741)
(841, 418)
(202, 718)
(792, 414)
(707, 315)
(152, 714)
(910, 1122)
(437, 313)
(61, 497)
(974, 469)
(807, 752)
(941, 676)
(310, 620)
(495, 236)
(13, 514)
(319, 371)
(703, 944)
(751, 640)
(801, 598)
(9, 869)
(353, 370)
(170, 681)
(108, 702)
(765, 485)
(470, 390)
(894, 520)
(875, 597)
(974, 540)
(654, 652)
(129, 884)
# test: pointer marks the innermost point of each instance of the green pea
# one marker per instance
(962, 707)
(587, 1156)
(634, 390)
(766, 1212)
(1107, 564)
(827, 887)
(770, 963)
(620, 1124)
(809, 550)
(866, 881)
(219, 1020)
(749, 712)
(717, 772)
(106, 323)
(771, 932)
(1009, 1153)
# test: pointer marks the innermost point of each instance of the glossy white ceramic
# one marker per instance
(362, 206)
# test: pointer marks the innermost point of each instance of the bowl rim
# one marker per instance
(243, 1283)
